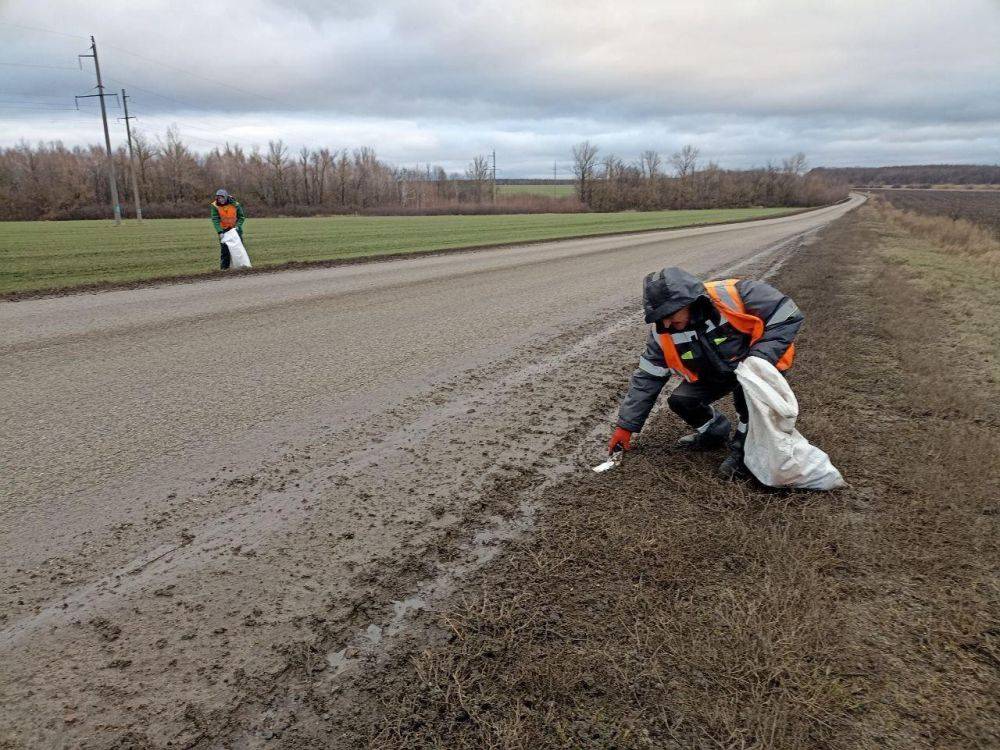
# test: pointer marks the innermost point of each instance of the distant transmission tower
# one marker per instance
(107, 136)
(494, 175)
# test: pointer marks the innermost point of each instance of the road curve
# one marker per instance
(198, 475)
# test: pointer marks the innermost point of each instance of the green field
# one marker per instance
(556, 190)
(53, 255)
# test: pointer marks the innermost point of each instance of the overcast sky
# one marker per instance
(848, 83)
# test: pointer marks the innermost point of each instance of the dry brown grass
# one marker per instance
(656, 607)
(951, 233)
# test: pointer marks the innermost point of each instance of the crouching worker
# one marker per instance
(227, 213)
(700, 333)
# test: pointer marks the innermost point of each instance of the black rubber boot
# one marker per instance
(732, 468)
(713, 434)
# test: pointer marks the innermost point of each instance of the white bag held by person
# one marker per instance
(238, 257)
(775, 451)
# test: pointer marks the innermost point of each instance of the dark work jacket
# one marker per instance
(709, 346)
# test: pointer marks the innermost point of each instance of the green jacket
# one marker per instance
(240, 216)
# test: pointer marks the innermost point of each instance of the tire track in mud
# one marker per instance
(276, 511)
(457, 472)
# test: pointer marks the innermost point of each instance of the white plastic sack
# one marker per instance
(237, 253)
(775, 451)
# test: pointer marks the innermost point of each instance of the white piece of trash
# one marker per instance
(615, 460)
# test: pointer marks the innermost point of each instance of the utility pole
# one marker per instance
(494, 175)
(131, 160)
(555, 179)
(107, 136)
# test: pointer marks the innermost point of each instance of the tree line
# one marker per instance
(916, 175)
(52, 181)
(607, 183)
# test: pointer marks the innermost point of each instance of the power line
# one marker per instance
(39, 28)
(154, 93)
(188, 125)
(205, 140)
(61, 98)
(213, 81)
(36, 108)
(192, 105)
(53, 107)
(33, 65)
(58, 105)
(174, 121)
(181, 123)
(199, 127)
(146, 59)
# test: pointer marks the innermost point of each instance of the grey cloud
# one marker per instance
(881, 78)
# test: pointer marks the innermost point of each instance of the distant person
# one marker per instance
(701, 331)
(227, 213)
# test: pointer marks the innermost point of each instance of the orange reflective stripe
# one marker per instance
(726, 298)
(673, 359)
(725, 291)
(787, 358)
(737, 300)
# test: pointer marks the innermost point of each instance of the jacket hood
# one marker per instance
(667, 291)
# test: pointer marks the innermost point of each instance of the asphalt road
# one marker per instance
(198, 477)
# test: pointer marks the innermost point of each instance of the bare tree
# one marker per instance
(650, 164)
(584, 163)
(478, 169)
(795, 164)
(144, 153)
(478, 172)
(372, 178)
(277, 162)
(322, 162)
(612, 168)
(685, 161)
(442, 185)
(343, 177)
(178, 165)
(303, 169)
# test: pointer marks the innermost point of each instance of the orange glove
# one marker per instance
(620, 440)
